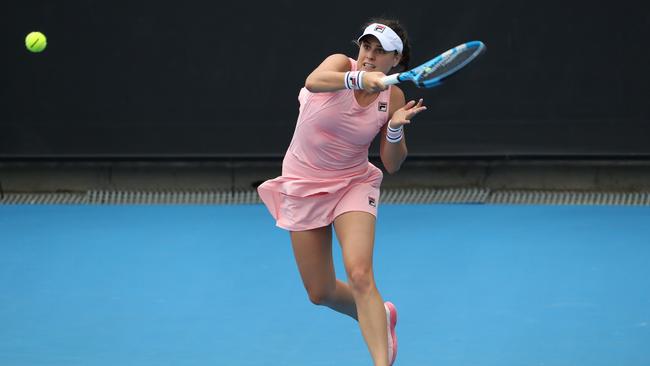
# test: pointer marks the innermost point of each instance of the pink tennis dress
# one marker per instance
(325, 171)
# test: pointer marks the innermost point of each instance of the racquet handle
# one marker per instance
(390, 79)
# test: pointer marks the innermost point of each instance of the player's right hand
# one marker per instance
(372, 82)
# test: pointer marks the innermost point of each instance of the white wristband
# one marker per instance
(360, 79)
(394, 135)
(353, 79)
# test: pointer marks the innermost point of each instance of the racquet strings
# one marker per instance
(449, 63)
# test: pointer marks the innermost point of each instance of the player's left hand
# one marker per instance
(403, 115)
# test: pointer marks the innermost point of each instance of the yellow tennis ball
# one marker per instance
(35, 41)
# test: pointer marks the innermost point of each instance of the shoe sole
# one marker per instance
(393, 322)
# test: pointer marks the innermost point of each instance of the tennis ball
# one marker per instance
(35, 41)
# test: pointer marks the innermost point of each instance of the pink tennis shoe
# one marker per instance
(391, 319)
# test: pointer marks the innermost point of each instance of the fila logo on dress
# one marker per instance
(383, 106)
(371, 201)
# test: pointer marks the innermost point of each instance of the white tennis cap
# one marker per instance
(389, 40)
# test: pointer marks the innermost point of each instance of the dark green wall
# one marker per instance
(207, 79)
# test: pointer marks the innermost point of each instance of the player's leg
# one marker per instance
(313, 253)
(356, 234)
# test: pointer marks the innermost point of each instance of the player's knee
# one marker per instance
(361, 279)
(318, 295)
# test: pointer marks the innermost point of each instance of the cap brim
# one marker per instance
(384, 44)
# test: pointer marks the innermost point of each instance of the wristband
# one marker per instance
(353, 79)
(394, 135)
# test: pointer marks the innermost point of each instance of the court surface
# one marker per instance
(217, 285)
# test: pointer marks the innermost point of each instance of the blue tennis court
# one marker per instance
(217, 285)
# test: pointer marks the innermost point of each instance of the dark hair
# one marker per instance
(401, 32)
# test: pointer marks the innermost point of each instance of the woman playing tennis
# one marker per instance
(328, 181)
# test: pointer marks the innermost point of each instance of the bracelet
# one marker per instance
(354, 79)
(394, 135)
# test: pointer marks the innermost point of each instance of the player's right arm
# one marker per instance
(329, 76)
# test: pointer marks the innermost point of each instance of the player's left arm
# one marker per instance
(393, 154)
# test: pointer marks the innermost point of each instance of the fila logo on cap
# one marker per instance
(389, 40)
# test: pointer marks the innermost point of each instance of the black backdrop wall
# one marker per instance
(205, 79)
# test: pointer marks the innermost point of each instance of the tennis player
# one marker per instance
(328, 181)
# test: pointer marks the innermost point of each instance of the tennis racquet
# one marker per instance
(434, 71)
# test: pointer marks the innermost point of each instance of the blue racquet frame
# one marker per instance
(419, 74)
